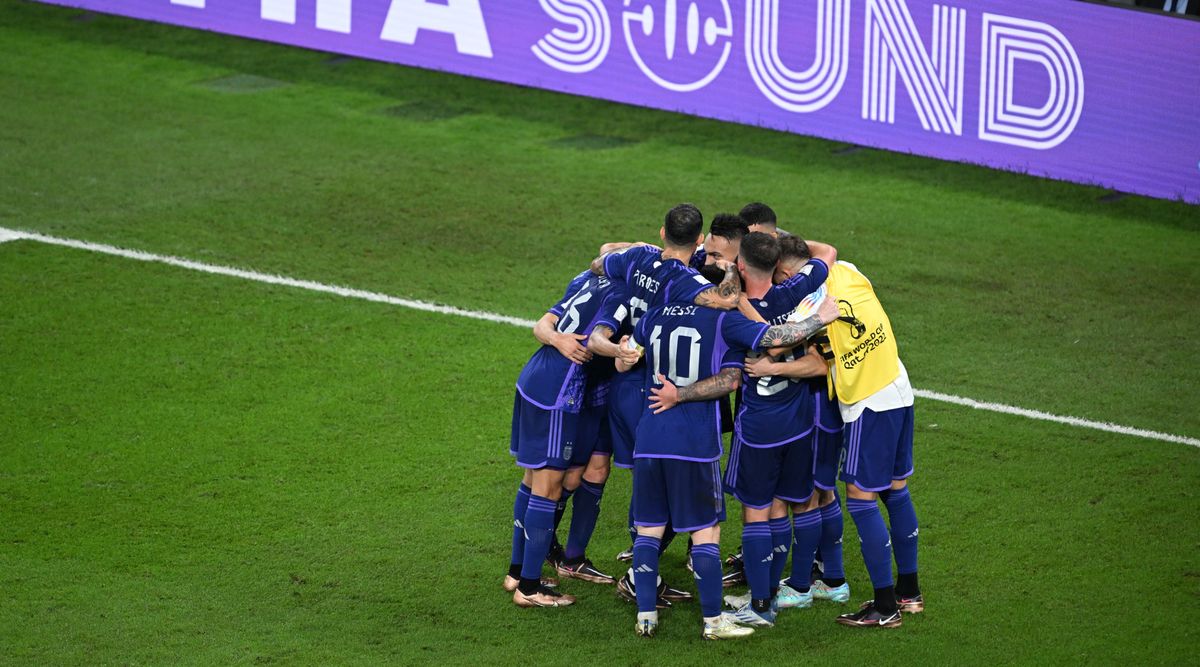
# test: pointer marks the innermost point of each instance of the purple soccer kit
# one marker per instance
(676, 474)
(551, 394)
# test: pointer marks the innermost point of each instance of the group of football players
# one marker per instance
(637, 363)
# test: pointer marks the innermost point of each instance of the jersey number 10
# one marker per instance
(671, 369)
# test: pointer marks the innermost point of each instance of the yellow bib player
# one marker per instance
(876, 403)
(865, 357)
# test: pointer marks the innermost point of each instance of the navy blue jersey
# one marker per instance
(782, 299)
(774, 410)
(687, 343)
(698, 258)
(652, 280)
(550, 380)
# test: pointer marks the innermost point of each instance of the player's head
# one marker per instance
(760, 254)
(793, 255)
(760, 218)
(724, 238)
(683, 227)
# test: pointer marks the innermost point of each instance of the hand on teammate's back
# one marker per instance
(569, 346)
(663, 398)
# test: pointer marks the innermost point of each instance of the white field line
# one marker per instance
(265, 277)
(12, 235)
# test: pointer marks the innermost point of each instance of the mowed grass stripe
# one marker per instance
(351, 293)
(207, 472)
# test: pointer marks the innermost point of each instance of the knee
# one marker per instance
(779, 509)
(710, 535)
(652, 531)
(572, 478)
(856, 493)
(813, 502)
(826, 497)
(597, 471)
(752, 515)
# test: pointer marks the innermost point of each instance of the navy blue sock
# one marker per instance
(583, 518)
(560, 508)
(756, 555)
(781, 542)
(632, 528)
(873, 534)
(832, 526)
(518, 533)
(645, 571)
(539, 527)
(706, 560)
(903, 520)
(807, 529)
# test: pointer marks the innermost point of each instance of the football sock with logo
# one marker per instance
(518, 534)
(632, 528)
(756, 556)
(706, 559)
(583, 519)
(645, 571)
(781, 542)
(832, 527)
(873, 534)
(539, 526)
(806, 527)
(903, 520)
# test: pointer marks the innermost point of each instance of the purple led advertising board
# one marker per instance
(1058, 88)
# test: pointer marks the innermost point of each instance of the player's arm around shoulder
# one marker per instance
(812, 364)
(822, 251)
(791, 334)
(715, 386)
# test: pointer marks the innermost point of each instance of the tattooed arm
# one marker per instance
(668, 396)
(725, 296)
(597, 266)
(794, 333)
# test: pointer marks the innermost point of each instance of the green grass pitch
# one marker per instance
(197, 469)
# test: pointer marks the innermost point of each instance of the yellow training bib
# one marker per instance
(865, 356)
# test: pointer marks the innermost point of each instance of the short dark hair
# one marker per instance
(683, 225)
(793, 247)
(758, 213)
(760, 251)
(728, 226)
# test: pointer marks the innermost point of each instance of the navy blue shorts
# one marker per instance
(685, 494)
(626, 403)
(593, 435)
(879, 449)
(757, 475)
(542, 438)
(827, 454)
